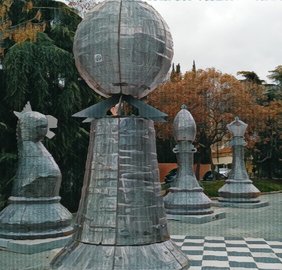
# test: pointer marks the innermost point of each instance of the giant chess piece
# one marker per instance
(121, 220)
(123, 49)
(185, 196)
(238, 187)
(34, 210)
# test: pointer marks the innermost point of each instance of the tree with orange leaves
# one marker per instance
(214, 99)
(21, 30)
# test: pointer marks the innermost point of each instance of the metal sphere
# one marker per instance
(123, 47)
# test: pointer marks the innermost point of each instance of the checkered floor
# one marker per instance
(230, 253)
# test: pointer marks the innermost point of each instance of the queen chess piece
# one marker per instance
(238, 188)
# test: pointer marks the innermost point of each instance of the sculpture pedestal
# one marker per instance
(157, 256)
(239, 191)
(240, 194)
(187, 202)
(246, 204)
(35, 218)
(198, 219)
(33, 246)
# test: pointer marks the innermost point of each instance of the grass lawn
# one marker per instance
(264, 185)
(211, 187)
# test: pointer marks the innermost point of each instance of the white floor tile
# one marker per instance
(215, 253)
(195, 257)
(258, 246)
(214, 245)
(192, 248)
(215, 263)
(263, 254)
(240, 259)
(195, 268)
(238, 249)
(272, 266)
(237, 242)
(278, 243)
(240, 268)
(253, 239)
(214, 238)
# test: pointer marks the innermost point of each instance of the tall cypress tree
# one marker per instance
(178, 71)
(194, 67)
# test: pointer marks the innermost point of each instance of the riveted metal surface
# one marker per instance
(121, 220)
(123, 205)
(158, 256)
(123, 47)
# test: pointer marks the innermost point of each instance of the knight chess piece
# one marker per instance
(34, 210)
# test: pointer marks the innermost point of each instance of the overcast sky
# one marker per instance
(228, 35)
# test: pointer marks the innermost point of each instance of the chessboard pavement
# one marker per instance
(230, 253)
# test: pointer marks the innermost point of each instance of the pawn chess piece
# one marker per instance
(123, 50)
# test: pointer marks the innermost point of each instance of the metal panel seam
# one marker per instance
(117, 187)
(119, 63)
